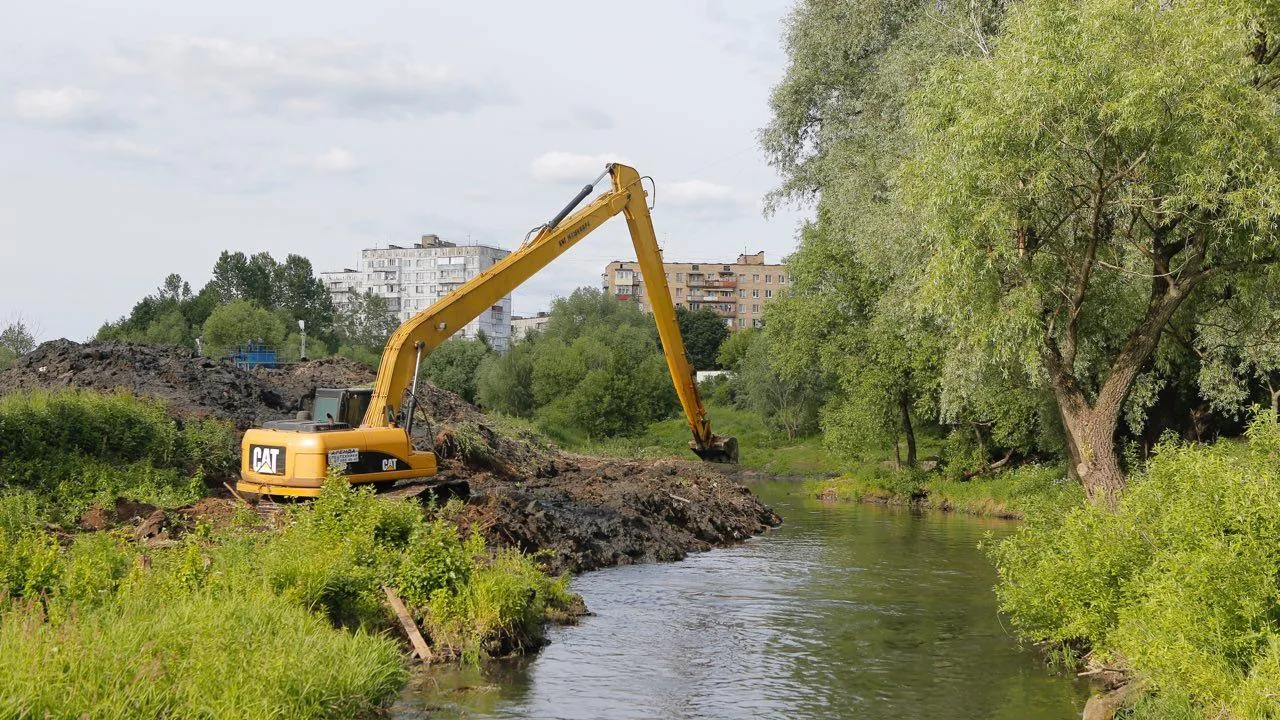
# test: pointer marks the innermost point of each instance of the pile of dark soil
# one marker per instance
(296, 384)
(187, 383)
(585, 512)
(596, 513)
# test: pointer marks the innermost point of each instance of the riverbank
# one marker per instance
(1012, 494)
(759, 448)
(116, 562)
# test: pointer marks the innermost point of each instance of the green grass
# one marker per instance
(1011, 494)
(247, 622)
(72, 449)
(759, 448)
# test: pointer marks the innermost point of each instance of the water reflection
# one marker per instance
(845, 611)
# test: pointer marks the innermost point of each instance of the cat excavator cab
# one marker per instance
(365, 433)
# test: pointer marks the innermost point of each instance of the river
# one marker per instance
(846, 611)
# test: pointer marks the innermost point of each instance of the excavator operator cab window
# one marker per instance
(341, 406)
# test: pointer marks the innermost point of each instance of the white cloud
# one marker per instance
(335, 160)
(122, 147)
(704, 200)
(563, 167)
(68, 107)
(312, 77)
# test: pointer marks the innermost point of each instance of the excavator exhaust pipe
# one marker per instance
(721, 449)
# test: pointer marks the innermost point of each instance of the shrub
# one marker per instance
(75, 448)
(1179, 582)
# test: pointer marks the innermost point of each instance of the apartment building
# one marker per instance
(523, 327)
(737, 291)
(412, 278)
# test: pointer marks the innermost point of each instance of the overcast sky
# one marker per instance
(144, 137)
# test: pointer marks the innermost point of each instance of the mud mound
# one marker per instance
(187, 383)
(598, 513)
(296, 384)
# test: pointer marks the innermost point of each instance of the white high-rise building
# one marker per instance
(412, 278)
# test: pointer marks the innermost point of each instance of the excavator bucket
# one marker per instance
(721, 449)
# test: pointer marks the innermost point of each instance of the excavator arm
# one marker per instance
(422, 333)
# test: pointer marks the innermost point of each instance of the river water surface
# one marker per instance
(846, 611)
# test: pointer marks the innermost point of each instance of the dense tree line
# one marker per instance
(1046, 225)
(596, 371)
(257, 299)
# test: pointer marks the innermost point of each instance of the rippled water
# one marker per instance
(845, 611)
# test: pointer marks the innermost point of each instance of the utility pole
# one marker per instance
(302, 327)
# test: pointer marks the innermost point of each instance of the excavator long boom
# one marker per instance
(425, 331)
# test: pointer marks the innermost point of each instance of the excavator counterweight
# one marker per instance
(293, 457)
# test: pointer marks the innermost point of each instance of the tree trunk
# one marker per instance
(1091, 427)
(1091, 449)
(909, 431)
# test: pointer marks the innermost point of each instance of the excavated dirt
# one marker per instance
(188, 383)
(584, 512)
(598, 513)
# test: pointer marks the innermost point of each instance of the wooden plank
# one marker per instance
(420, 647)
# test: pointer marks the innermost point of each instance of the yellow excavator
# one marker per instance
(365, 433)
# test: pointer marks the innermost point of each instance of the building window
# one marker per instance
(693, 267)
(726, 268)
(742, 322)
(742, 278)
(768, 278)
(755, 278)
(768, 293)
(755, 293)
(742, 307)
(679, 277)
(756, 323)
(742, 293)
(782, 279)
(755, 309)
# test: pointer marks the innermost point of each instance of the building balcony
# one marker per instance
(726, 284)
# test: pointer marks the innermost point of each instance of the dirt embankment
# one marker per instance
(585, 512)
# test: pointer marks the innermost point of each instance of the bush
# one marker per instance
(284, 623)
(1180, 582)
(74, 448)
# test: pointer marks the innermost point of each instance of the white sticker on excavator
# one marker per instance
(343, 457)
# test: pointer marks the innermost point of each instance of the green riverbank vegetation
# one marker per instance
(237, 615)
(1045, 230)
(1177, 585)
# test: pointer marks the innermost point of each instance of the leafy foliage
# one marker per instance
(288, 291)
(76, 448)
(1180, 582)
(455, 365)
(702, 332)
(301, 604)
(596, 371)
(363, 329)
(15, 339)
(240, 322)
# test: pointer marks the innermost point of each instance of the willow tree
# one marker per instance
(838, 136)
(1082, 179)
